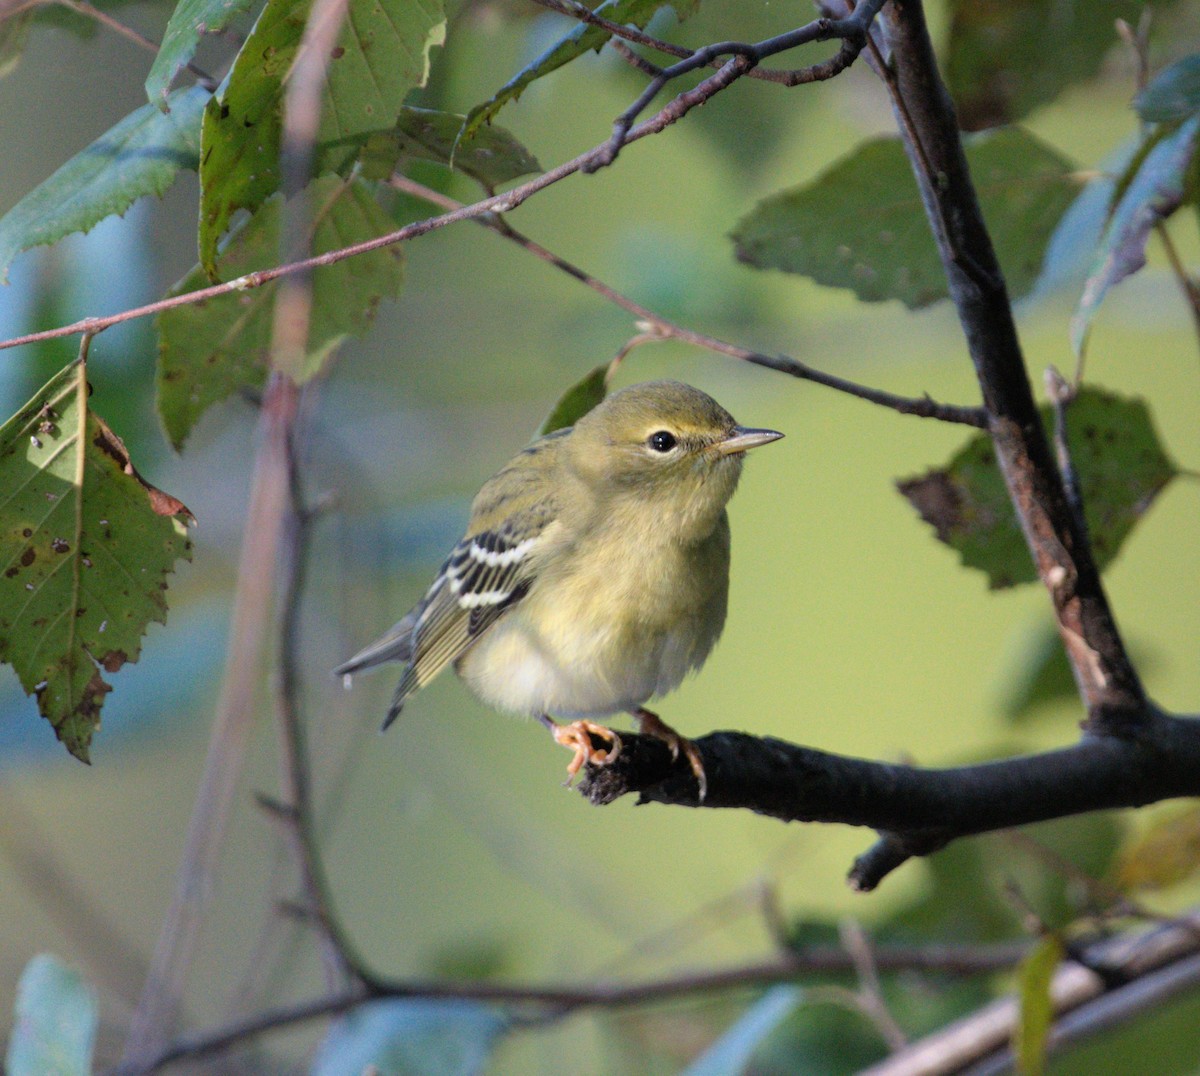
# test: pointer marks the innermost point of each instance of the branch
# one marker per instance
(921, 406)
(1133, 974)
(916, 810)
(155, 1016)
(563, 1000)
(575, 10)
(1107, 680)
(852, 31)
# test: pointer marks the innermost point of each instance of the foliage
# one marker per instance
(87, 544)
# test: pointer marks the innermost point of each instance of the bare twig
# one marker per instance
(81, 7)
(153, 1022)
(1061, 395)
(922, 406)
(870, 992)
(1107, 680)
(957, 960)
(852, 31)
(1187, 283)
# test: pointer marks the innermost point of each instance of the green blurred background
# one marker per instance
(451, 845)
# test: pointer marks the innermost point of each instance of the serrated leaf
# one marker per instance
(190, 21)
(382, 54)
(1167, 854)
(141, 155)
(1150, 191)
(86, 545)
(1034, 978)
(411, 1038)
(1003, 60)
(578, 400)
(493, 157)
(1173, 95)
(54, 1027)
(584, 38)
(861, 224)
(1121, 465)
(211, 349)
(733, 1052)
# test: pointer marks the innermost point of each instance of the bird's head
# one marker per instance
(667, 442)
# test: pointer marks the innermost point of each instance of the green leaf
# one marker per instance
(211, 349)
(382, 54)
(85, 547)
(1121, 465)
(411, 1038)
(54, 1030)
(732, 1053)
(140, 155)
(1151, 189)
(1173, 95)
(584, 38)
(578, 400)
(493, 157)
(191, 20)
(1034, 977)
(861, 225)
(1003, 60)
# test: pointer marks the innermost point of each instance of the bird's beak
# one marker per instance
(743, 438)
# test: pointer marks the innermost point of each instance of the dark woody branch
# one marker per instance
(916, 810)
(1107, 680)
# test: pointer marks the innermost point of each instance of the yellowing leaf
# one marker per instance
(1034, 977)
(1165, 855)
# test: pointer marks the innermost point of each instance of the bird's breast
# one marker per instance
(605, 628)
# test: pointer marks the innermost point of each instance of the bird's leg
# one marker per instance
(578, 736)
(650, 724)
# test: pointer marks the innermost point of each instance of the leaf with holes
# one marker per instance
(190, 21)
(86, 545)
(210, 349)
(382, 54)
(861, 224)
(583, 39)
(1122, 468)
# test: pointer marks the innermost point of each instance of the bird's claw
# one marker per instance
(578, 737)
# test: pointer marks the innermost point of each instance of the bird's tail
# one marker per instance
(395, 645)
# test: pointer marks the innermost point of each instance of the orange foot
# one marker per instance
(651, 724)
(578, 737)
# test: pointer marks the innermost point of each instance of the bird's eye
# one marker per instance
(661, 441)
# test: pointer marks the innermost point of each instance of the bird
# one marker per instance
(593, 574)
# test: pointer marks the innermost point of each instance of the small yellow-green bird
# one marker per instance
(594, 572)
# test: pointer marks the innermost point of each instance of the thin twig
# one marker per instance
(1061, 396)
(952, 959)
(853, 31)
(497, 203)
(154, 1020)
(922, 406)
(870, 993)
(621, 32)
(1187, 283)
(81, 7)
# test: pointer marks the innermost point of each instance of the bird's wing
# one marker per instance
(486, 574)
